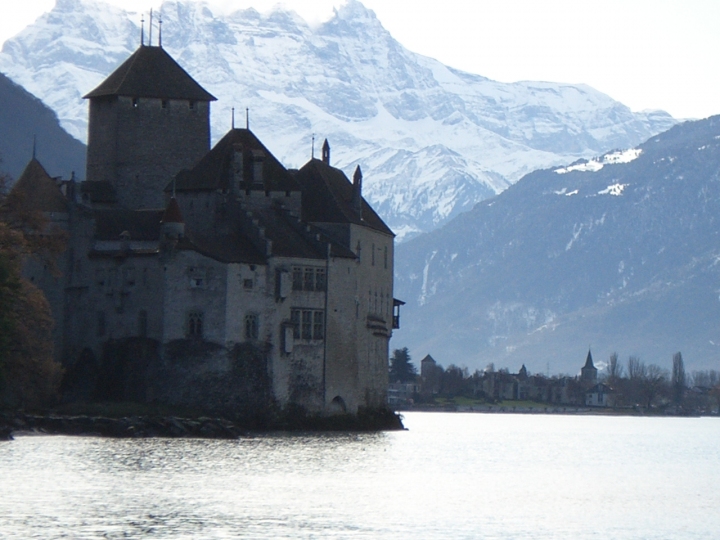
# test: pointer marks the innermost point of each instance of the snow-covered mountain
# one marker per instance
(620, 252)
(432, 140)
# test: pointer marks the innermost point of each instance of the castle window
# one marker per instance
(135, 103)
(309, 281)
(358, 251)
(191, 105)
(297, 278)
(385, 258)
(320, 281)
(100, 330)
(195, 324)
(373, 254)
(164, 103)
(307, 324)
(248, 283)
(142, 323)
(318, 325)
(252, 326)
(295, 320)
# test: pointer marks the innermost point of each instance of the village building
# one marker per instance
(211, 277)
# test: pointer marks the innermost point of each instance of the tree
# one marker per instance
(653, 383)
(401, 368)
(29, 376)
(615, 369)
(678, 382)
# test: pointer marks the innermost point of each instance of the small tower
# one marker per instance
(326, 152)
(357, 191)
(588, 373)
(172, 223)
(148, 120)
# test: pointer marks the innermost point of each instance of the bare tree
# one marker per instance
(615, 369)
(652, 384)
(679, 381)
(636, 369)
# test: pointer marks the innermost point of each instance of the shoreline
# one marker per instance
(201, 427)
(562, 410)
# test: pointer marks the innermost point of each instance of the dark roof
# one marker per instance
(172, 213)
(227, 248)
(140, 224)
(428, 358)
(327, 198)
(589, 361)
(151, 72)
(215, 169)
(39, 190)
(98, 191)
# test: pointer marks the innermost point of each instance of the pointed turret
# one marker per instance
(589, 372)
(39, 190)
(173, 224)
(326, 152)
(357, 191)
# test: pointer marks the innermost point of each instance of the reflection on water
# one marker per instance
(449, 476)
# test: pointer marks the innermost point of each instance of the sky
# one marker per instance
(658, 54)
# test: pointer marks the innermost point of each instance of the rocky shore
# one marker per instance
(125, 427)
(142, 426)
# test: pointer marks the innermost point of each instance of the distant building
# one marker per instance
(588, 373)
(429, 376)
(600, 395)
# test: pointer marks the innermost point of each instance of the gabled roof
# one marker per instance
(151, 72)
(327, 198)
(428, 358)
(216, 169)
(227, 248)
(39, 190)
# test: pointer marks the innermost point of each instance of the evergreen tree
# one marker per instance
(401, 368)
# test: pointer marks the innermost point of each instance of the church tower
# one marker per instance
(148, 120)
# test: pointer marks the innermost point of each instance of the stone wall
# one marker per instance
(140, 144)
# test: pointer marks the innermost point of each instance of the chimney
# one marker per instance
(357, 191)
(326, 152)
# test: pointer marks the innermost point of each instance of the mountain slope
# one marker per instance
(23, 117)
(620, 252)
(432, 140)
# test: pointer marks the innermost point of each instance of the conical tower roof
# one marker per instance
(172, 213)
(40, 190)
(589, 361)
(151, 72)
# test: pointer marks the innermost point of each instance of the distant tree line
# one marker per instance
(634, 384)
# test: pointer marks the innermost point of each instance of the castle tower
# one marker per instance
(588, 373)
(148, 120)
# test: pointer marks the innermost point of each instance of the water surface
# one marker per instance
(451, 475)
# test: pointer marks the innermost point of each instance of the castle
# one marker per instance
(211, 277)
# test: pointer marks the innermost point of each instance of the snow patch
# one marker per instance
(615, 189)
(571, 193)
(594, 165)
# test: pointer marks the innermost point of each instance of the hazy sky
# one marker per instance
(658, 54)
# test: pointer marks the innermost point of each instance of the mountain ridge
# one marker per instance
(618, 252)
(432, 140)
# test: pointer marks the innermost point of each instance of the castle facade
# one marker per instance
(211, 277)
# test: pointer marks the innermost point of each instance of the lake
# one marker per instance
(451, 475)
